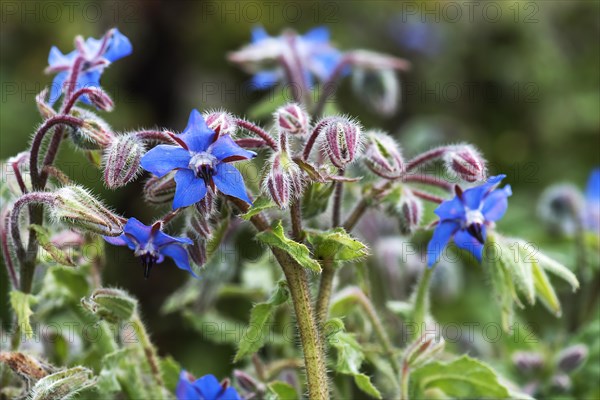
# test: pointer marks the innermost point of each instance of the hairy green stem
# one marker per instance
(149, 350)
(325, 290)
(338, 195)
(422, 301)
(404, 380)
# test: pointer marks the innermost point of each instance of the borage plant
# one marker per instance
(322, 173)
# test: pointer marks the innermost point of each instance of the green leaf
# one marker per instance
(544, 290)
(21, 304)
(255, 335)
(349, 352)
(260, 203)
(364, 383)
(299, 252)
(43, 238)
(337, 244)
(170, 371)
(463, 378)
(316, 198)
(557, 269)
(283, 391)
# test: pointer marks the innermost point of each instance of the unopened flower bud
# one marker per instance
(409, 211)
(342, 141)
(466, 162)
(292, 119)
(246, 382)
(77, 207)
(122, 160)
(160, 190)
(112, 305)
(423, 350)
(562, 382)
(64, 384)
(223, 123)
(197, 250)
(383, 156)
(572, 357)
(527, 361)
(46, 111)
(100, 99)
(379, 90)
(93, 134)
(559, 208)
(283, 182)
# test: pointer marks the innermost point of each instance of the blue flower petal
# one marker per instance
(451, 209)
(592, 191)
(189, 189)
(264, 80)
(162, 239)
(119, 46)
(465, 241)
(230, 182)
(57, 86)
(496, 203)
(197, 135)
(138, 230)
(441, 235)
(56, 58)
(178, 254)
(209, 386)
(116, 240)
(164, 158)
(225, 148)
(259, 34)
(230, 394)
(323, 65)
(185, 389)
(90, 79)
(319, 34)
(474, 196)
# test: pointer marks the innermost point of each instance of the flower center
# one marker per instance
(203, 164)
(474, 223)
(148, 255)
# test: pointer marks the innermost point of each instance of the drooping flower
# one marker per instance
(312, 53)
(202, 161)
(205, 388)
(151, 245)
(591, 219)
(94, 54)
(467, 216)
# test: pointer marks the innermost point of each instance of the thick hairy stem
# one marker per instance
(159, 136)
(427, 196)
(422, 301)
(312, 347)
(296, 217)
(330, 85)
(429, 180)
(26, 259)
(325, 290)
(149, 350)
(338, 195)
(312, 139)
(8, 261)
(242, 123)
(426, 158)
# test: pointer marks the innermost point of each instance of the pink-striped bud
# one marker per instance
(122, 160)
(409, 211)
(223, 123)
(466, 162)
(93, 134)
(383, 156)
(100, 99)
(160, 190)
(292, 119)
(342, 141)
(197, 251)
(283, 182)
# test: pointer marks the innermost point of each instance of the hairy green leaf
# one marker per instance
(21, 304)
(299, 252)
(337, 244)
(283, 391)
(260, 203)
(364, 383)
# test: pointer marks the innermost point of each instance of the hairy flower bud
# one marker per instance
(383, 156)
(342, 141)
(46, 111)
(197, 250)
(409, 211)
(112, 305)
(572, 357)
(560, 207)
(283, 182)
(466, 162)
(75, 206)
(423, 350)
(562, 382)
(100, 99)
(122, 160)
(64, 384)
(93, 134)
(247, 382)
(223, 123)
(379, 89)
(292, 119)
(160, 190)
(527, 361)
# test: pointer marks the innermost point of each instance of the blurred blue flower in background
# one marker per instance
(151, 245)
(205, 388)
(591, 219)
(201, 162)
(93, 54)
(467, 216)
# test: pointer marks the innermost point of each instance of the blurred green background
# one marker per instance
(518, 79)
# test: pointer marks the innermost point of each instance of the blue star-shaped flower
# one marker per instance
(591, 218)
(466, 216)
(202, 160)
(96, 53)
(315, 55)
(151, 245)
(205, 388)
